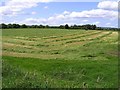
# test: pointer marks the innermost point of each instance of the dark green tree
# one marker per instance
(66, 26)
(9, 26)
(94, 27)
(3, 26)
(40, 26)
(23, 26)
(61, 26)
(15, 26)
(46, 26)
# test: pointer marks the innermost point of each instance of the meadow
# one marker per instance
(59, 58)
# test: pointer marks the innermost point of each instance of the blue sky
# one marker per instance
(103, 13)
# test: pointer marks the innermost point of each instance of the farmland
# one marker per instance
(59, 58)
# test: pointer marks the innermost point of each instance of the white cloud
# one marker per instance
(34, 21)
(46, 7)
(96, 23)
(14, 7)
(108, 23)
(113, 5)
(32, 1)
(33, 12)
(66, 12)
(73, 17)
(111, 25)
(85, 21)
(95, 13)
(69, 23)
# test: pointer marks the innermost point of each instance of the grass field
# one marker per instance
(46, 58)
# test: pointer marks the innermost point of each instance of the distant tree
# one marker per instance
(23, 26)
(40, 26)
(88, 26)
(94, 27)
(43, 27)
(61, 26)
(15, 26)
(0, 26)
(18, 26)
(9, 26)
(75, 26)
(36, 26)
(3, 26)
(66, 26)
(46, 26)
(32, 26)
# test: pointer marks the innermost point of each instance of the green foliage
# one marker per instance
(86, 27)
(66, 26)
(24, 26)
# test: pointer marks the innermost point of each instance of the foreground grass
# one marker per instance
(29, 72)
(60, 58)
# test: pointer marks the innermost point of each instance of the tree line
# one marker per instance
(86, 27)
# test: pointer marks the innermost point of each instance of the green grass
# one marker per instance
(38, 32)
(45, 58)
(61, 72)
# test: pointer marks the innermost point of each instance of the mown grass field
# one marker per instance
(58, 58)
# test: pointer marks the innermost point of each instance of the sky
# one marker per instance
(52, 12)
